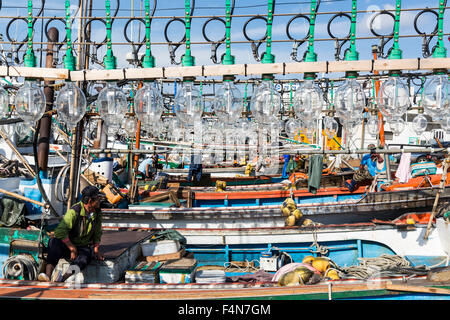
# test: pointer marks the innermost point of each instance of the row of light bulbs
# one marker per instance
(350, 101)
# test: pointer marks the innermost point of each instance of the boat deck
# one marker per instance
(324, 291)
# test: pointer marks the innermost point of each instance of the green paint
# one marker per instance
(30, 58)
(149, 60)
(440, 51)
(268, 56)
(396, 52)
(311, 56)
(352, 54)
(69, 59)
(109, 60)
(188, 60)
(228, 59)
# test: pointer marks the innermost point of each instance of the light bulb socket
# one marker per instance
(395, 73)
(309, 76)
(440, 71)
(228, 77)
(351, 74)
(188, 79)
(267, 76)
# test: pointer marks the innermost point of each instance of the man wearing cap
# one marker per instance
(77, 236)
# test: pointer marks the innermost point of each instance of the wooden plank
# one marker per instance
(395, 64)
(144, 73)
(423, 289)
(434, 63)
(175, 72)
(38, 73)
(219, 70)
(302, 67)
(342, 66)
(115, 74)
(265, 68)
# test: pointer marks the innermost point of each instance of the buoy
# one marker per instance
(307, 222)
(297, 214)
(308, 260)
(288, 279)
(286, 212)
(332, 274)
(304, 274)
(290, 221)
(321, 264)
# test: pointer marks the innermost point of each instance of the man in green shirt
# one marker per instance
(77, 236)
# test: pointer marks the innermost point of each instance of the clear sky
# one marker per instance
(215, 30)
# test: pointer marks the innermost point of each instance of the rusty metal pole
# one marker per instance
(46, 120)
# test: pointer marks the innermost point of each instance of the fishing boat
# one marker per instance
(332, 205)
(344, 244)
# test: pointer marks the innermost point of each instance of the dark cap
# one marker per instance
(90, 192)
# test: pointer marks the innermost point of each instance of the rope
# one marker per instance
(248, 268)
(322, 250)
(20, 265)
(384, 265)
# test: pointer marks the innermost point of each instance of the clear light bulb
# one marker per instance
(4, 102)
(308, 102)
(265, 102)
(444, 121)
(373, 125)
(393, 98)
(291, 127)
(436, 95)
(228, 102)
(188, 103)
(397, 125)
(129, 126)
(70, 104)
(148, 103)
(30, 102)
(350, 100)
(331, 127)
(419, 124)
(112, 106)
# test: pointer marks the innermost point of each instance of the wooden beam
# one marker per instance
(396, 64)
(423, 289)
(302, 67)
(219, 70)
(343, 66)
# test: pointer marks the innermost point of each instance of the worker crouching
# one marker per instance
(77, 237)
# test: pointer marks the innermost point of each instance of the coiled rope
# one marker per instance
(21, 265)
(384, 265)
